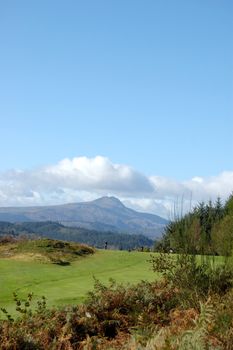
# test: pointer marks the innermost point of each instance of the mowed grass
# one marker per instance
(66, 285)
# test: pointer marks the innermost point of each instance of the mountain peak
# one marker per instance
(108, 202)
(103, 214)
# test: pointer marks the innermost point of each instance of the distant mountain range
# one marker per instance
(103, 214)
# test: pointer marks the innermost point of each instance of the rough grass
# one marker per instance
(69, 284)
(44, 250)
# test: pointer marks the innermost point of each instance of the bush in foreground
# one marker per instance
(174, 313)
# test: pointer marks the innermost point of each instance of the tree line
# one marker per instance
(94, 238)
(207, 229)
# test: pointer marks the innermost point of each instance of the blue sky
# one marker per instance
(148, 84)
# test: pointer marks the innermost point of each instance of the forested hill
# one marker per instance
(208, 229)
(91, 237)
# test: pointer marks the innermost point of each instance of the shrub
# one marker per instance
(153, 314)
(193, 279)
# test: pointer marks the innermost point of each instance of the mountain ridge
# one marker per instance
(105, 213)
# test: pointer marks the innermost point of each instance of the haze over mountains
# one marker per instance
(103, 214)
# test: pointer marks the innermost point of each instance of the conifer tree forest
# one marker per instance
(206, 230)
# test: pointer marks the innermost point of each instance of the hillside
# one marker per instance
(103, 214)
(94, 238)
(43, 250)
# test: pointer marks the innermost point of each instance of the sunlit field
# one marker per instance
(64, 285)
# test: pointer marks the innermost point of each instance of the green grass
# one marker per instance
(64, 285)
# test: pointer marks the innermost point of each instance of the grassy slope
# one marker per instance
(44, 250)
(69, 284)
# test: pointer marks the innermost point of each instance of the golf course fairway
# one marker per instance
(66, 285)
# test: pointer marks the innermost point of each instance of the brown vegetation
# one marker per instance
(159, 315)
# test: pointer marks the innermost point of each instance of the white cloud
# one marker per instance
(149, 205)
(98, 174)
(221, 185)
(82, 178)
